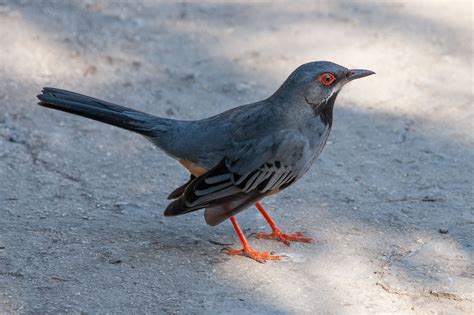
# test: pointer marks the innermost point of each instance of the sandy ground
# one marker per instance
(81, 225)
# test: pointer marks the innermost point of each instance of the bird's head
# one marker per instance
(319, 82)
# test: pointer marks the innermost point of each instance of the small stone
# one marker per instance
(115, 261)
(443, 230)
(190, 77)
(170, 112)
(420, 241)
(90, 70)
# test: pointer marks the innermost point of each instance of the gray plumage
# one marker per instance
(249, 151)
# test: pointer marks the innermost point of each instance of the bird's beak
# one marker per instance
(357, 74)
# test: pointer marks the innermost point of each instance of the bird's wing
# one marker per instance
(180, 190)
(254, 167)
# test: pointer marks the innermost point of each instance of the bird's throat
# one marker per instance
(324, 109)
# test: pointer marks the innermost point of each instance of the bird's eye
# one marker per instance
(327, 78)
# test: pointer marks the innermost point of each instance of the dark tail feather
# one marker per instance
(180, 190)
(99, 110)
(215, 215)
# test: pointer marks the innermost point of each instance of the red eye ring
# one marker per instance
(327, 78)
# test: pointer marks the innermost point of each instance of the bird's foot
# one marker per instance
(285, 238)
(249, 252)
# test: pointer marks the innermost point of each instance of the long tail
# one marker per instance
(109, 113)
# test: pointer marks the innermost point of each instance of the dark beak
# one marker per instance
(357, 74)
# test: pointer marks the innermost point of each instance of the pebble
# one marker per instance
(443, 230)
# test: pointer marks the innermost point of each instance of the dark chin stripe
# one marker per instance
(326, 109)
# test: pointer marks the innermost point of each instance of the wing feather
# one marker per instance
(255, 169)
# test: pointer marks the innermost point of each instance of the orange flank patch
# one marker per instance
(194, 169)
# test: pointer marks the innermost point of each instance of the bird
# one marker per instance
(237, 157)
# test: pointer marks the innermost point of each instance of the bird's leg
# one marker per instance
(248, 251)
(277, 234)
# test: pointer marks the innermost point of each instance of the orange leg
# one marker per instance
(277, 233)
(248, 251)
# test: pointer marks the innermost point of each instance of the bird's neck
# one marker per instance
(323, 111)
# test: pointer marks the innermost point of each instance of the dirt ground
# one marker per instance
(390, 200)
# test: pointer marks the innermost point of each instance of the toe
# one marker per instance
(285, 238)
(260, 257)
(298, 238)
